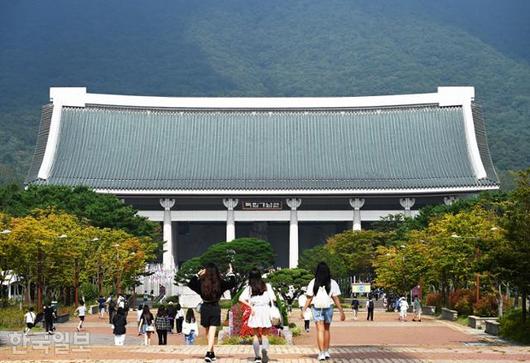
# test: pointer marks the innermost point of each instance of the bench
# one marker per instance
(428, 310)
(492, 327)
(448, 314)
(478, 322)
(93, 309)
(62, 318)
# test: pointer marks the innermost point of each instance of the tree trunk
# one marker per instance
(516, 299)
(523, 303)
(501, 300)
(28, 293)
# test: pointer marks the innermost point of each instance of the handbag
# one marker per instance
(275, 314)
(150, 328)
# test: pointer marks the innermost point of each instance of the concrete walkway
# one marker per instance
(383, 340)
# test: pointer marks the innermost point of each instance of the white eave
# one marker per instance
(78, 97)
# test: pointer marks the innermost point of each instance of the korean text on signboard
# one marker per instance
(262, 205)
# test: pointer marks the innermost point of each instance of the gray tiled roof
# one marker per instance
(399, 147)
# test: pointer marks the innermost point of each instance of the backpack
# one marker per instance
(321, 299)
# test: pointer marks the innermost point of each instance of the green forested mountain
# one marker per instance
(265, 48)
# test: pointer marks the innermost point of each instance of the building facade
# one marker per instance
(291, 171)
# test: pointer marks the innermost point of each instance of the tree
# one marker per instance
(356, 249)
(310, 258)
(290, 282)
(244, 254)
(187, 270)
(100, 210)
(512, 256)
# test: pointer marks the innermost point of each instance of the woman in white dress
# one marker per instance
(259, 297)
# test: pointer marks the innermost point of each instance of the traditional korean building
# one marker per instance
(291, 171)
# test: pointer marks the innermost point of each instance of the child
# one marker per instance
(308, 315)
(403, 308)
(29, 318)
(190, 328)
(81, 312)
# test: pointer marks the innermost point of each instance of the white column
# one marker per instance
(169, 259)
(293, 203)
(230, 204)
(407, 203)
(356, 204)
(449, 200)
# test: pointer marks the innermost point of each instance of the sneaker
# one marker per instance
(212, 356)
(257, 360)
(326, 355)
(208, 357)
(265, 355)
(321, 356)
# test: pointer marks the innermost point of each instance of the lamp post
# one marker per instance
(118, 274)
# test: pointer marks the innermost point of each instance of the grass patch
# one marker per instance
(513, 328)
(11, 318)
(462, 320)
(237, 340)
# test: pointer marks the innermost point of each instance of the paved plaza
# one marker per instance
(383, 340)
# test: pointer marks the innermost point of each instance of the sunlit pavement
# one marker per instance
(383, 340)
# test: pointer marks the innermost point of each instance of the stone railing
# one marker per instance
(448, 314)
(478, 322)
(428, 310)
(493, 327)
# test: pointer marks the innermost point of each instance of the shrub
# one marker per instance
(11, 318)
(89, 292)
(434, 299)
(174, 299)
(296, 331)
(462, 301)
(513, 328)
(225, 304)
(486, 306)
(277, 340)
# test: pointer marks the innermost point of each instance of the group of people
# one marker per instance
(322, 295)
(403, 306)
(48, 315)
(370, 307)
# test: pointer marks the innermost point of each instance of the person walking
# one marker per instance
(171, 313)
(308, 315)
(416, 306)
(211, 287)
(81, 312)
(370, 308)
(190, 328)
(112, 308)
(179, 318)
(259, 297)
(138, 318)
(162, 325)
(29, 319)
(403, 308)
(49, 316)
(101, 307)
(146, 321)
(119, 321)
(322, 292)
(355, 307)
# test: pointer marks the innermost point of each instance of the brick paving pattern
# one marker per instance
(383, 341)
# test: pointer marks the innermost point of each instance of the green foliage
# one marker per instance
(296, 278)
(310, 258)
(265, 48)
(11, 318)
(514, 328)
(187, 270)
(244, 254)
(100, 210)
(356, 249)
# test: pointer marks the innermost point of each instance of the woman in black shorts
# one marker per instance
(211, 287)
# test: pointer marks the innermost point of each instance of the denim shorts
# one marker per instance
(325, 315)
